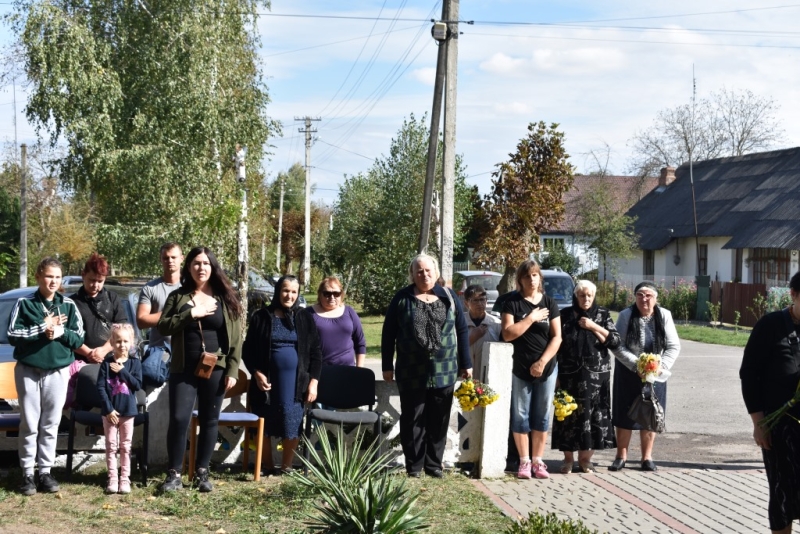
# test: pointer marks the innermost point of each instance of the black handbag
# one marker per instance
(647, 411)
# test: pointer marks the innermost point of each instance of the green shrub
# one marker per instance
(358, 492)
(778, 298)
(548, 524)
(681, 300)
(759, 307)
(713, 312)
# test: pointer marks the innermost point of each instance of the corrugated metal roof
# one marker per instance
(752, 199)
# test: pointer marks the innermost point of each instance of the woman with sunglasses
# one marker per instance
(340, 333)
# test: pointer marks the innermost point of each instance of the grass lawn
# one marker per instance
(237, 504)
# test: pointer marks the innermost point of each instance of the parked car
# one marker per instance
(559, 286)
(260, 291)
(486, 279)
(129, 295)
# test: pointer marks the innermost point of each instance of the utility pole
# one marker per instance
(242, 255)
(280, 229)
(23, 216)
(307, 257)
(449, 153)
(439, 32)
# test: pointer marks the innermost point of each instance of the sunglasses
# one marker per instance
(329, 294)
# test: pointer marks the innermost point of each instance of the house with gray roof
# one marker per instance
(748, 220)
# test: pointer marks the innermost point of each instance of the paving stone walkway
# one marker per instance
(677, 500)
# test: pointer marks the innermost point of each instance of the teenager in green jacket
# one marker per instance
(44, 329)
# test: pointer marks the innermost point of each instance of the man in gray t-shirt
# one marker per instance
(154, 294)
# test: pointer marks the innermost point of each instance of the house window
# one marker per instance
(649, 263)
(702, 260)
(770, 265)
(554, 242)
(737, 269)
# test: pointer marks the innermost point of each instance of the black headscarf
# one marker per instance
(634, 335)
(583, 341)
(275, 304)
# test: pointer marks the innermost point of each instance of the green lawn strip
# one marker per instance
(714, 336)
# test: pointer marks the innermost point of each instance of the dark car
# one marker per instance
(129, 296)
(559, 286)
(260, 291)
(488, 280)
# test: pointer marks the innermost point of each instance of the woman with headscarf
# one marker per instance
(282, 353)
(427, 328)
(584, 371)
(643, 327)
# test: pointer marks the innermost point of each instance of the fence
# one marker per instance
(735, 296)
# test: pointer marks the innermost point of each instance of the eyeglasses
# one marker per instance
(478, 300)
(329, 294)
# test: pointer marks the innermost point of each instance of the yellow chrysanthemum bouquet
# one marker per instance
(564, 403)
(473, 393)
(649, 365)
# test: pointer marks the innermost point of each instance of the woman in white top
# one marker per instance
(482, 327)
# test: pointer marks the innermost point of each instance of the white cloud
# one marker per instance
(426, 75)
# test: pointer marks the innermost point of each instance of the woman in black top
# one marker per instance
(531, 322)
(770, 373)
(206, 299)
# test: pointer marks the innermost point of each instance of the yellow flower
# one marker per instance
(568, 398)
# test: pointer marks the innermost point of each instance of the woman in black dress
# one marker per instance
(282, 352)
(770, 373)
(584, 371)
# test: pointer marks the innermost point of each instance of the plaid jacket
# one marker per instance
(415, 367)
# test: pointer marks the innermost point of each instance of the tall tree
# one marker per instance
(377, 218)
(151, 99)
(526, 197)
(605, 228)
(727, 123)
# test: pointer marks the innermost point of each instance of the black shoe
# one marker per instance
(172, 482)
(435, 473)
(28, 486)
(414, 474)
(618, 464)
(48, 484)
(201, 481)
(649, 465)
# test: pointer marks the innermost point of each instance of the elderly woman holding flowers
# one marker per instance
(584, 371)
(644, 327)
(770, 374)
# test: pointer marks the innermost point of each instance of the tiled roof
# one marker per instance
(752, 199)
(626, 191)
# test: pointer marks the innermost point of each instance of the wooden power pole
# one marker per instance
(23, 216)
(449, 154)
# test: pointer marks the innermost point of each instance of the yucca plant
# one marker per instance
(358, 491)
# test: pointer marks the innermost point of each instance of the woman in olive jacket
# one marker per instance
(203, 315)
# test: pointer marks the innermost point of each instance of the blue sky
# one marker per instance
(600, 69)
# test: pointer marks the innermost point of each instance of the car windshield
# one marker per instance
(558, 288)
(488, 282)
(256, 280)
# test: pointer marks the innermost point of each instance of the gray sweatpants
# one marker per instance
(41, 397)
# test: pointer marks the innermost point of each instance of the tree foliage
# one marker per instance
(557, 256)
(377, 218)
(727, 123)
(150, 99)
(526, 196)
(605, 228)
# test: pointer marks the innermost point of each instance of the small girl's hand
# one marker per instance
(116, 366)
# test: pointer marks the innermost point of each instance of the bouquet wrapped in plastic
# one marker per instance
(649, 366)
(473, 393)
(772, 418)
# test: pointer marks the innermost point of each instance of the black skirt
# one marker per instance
(782, 464)
(628, 386)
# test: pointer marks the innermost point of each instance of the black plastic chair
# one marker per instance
(343, 387)
(87, 412)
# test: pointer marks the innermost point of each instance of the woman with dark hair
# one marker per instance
(530, 321)
(770, 373)
(203, 315)
(584, 371)
(643, 327)
(282, 353)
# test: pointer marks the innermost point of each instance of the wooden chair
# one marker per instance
(9, 421)
(246, 420)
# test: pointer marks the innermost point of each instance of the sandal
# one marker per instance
(587, 467)
(566, 467)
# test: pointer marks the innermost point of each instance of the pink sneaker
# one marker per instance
(540, 471)
(524, 470)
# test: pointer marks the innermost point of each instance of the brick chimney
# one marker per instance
(667, 176)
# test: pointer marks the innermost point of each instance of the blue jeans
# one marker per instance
(532, 403)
